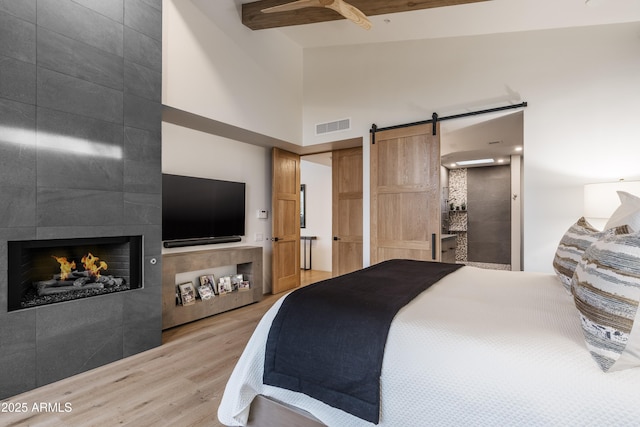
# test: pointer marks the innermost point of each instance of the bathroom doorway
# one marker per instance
(481, 160)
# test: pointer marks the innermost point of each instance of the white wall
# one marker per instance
(580, 127)
(317, 178)
(217, 68)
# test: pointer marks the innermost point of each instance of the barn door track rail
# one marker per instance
(435, 119)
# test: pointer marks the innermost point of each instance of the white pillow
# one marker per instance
(628, 213)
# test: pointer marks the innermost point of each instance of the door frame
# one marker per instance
(345, 145)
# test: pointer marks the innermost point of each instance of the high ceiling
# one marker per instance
(469, 19)
(485, 17)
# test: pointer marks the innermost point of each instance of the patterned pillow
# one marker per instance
(606, 289)
(571, 248)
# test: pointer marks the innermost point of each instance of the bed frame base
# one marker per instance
(266, 412)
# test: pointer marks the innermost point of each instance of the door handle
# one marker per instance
(433, 237)
(336, 238)
(275, 239)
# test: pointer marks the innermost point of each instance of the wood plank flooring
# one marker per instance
(177, 384)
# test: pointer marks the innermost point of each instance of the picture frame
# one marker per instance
(244, 286)
(235, 281)
(178, 295)
(209, 280)
(224, 285)
(187, 293)
(206, 292)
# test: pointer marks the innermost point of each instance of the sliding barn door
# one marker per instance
(405, 194)
(286, 221)
(347, 210)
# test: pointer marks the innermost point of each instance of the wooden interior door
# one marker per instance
(286, 221)
(405, 194)
(347, 178)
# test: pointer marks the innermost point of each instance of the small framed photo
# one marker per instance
(236, 279)
(187, 293)
(210, 281)
(178, 295)
(244, 285)
(205, 292)
(224, 285)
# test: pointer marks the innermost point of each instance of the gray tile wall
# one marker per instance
(80, 147)
(489, 214)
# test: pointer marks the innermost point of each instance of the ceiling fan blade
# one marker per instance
(300, 4)
(350, 12)
(343, 8)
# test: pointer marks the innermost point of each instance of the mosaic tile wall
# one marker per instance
(457, 219)
(457, 186)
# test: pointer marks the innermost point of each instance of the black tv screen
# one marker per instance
(194, 208)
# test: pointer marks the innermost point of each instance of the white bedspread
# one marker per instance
(480, 347)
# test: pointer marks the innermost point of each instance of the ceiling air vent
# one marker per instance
(330, 127)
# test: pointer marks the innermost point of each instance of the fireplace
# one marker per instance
(50, 271)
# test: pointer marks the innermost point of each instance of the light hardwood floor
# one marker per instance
(177, 384)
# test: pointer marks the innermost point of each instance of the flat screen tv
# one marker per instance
(200, 208)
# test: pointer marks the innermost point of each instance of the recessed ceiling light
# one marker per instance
(474, 162)
(518, 148)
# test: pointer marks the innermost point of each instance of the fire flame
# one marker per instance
(93, 265)
(66, 267)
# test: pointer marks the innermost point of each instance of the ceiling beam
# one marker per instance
(253, 18)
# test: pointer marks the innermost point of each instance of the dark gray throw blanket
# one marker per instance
(327, 340)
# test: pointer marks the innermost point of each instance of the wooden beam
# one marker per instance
(253, 18)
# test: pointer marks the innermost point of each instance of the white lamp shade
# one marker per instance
(601, 200)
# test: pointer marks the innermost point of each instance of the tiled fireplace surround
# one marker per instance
(80, 148)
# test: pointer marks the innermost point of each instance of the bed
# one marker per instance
(478, 347)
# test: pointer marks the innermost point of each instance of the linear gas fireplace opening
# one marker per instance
(49, 271)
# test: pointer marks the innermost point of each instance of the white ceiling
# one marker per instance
(495, 16)
(493, 136)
